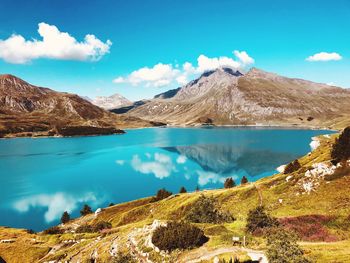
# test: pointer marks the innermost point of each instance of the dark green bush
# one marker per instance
(259, 220)
(102, 225)
(85, 229)
(53, 230)
(207, 210)
(178, 235)
(282, 247)
(229, 183)
(341, 148)
(292, 167)
(161, 194)
(86, 210)
(123, 258)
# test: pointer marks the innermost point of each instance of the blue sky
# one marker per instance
(277, 35)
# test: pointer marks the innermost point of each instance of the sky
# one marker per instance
(139, 48)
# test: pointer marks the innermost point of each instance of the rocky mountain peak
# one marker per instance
(111, 102)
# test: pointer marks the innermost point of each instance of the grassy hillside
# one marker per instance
(323, 208)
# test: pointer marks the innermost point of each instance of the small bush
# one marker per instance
(53, 230)
(259, 220)
(111, 204)
(292, 167)
(65, 217)
(123, 258)
(102, 225)
(229, 183)
(178, 235)
(86, 210)
(161, 194)
(85, 229)
(341, 148)
(30, 231)
(244, 180)
(282, 247)
(207, 210)
(182, 190)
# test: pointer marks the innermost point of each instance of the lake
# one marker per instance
(42, 178)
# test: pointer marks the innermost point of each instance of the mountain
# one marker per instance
(227, 97)
(111, 102)
(28, 110)
(168, 94)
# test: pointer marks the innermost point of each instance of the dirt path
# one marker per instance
(205, 254)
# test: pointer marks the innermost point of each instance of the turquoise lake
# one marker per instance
(42, 178)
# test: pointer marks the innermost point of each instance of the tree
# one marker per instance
(229, 183)
(282, 247)
(292, 167)
(206, 210)
(86, 210)
(197, 188)
(161, 194)
(178, 235)
(65, 217)
(259, 220)
(182, 190)
(111, 204)
(244, 180)
(341, 148)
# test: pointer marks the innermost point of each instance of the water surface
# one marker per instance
(42, 178)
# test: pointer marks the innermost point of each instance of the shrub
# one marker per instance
(341, 148)
(123, 258)
(65, 217)
(86, 210)
(111, 204)
(161, 194)
(30, 231)
(206, 210)
(197, 188)
(229, 183)
(53, 230)
(182, 190)
(258, 220)
(292, 167)
(244, 180)
(102, 225)
(178, 235)
(282, 247)
(85, 229)
(309, 227)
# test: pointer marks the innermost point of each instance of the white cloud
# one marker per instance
(54, 44)
(120, 162)
(205, 177)
(324, 56)
(161, 166)
(56, 204)
(181, 159)
(165, 74)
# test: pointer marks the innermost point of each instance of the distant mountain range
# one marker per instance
(28, 110)
(111, 102)
(228, 97)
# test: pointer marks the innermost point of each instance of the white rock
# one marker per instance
(281, 168)
(98, 210)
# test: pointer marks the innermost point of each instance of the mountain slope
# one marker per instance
(227, 97)
(111, 102)
(286, 196)
(27, 110)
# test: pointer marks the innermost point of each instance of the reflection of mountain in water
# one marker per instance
(224, 159)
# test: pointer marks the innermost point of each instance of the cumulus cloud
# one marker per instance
(54, 45)
(165, 74)
(324, 56)
(205, 177)
(181, 159)
(161, 165)
(56, 204)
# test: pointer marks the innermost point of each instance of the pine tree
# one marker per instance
(86, 210)
(197, 188)
(182, 190)
(244, 180)
(65, 217)
(229, 183)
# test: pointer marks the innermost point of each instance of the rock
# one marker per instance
(98, 210)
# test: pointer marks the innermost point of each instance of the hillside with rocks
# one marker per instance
(28, 110)
(310, 197)
(227, 97)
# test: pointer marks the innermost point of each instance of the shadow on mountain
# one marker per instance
(125, 109)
